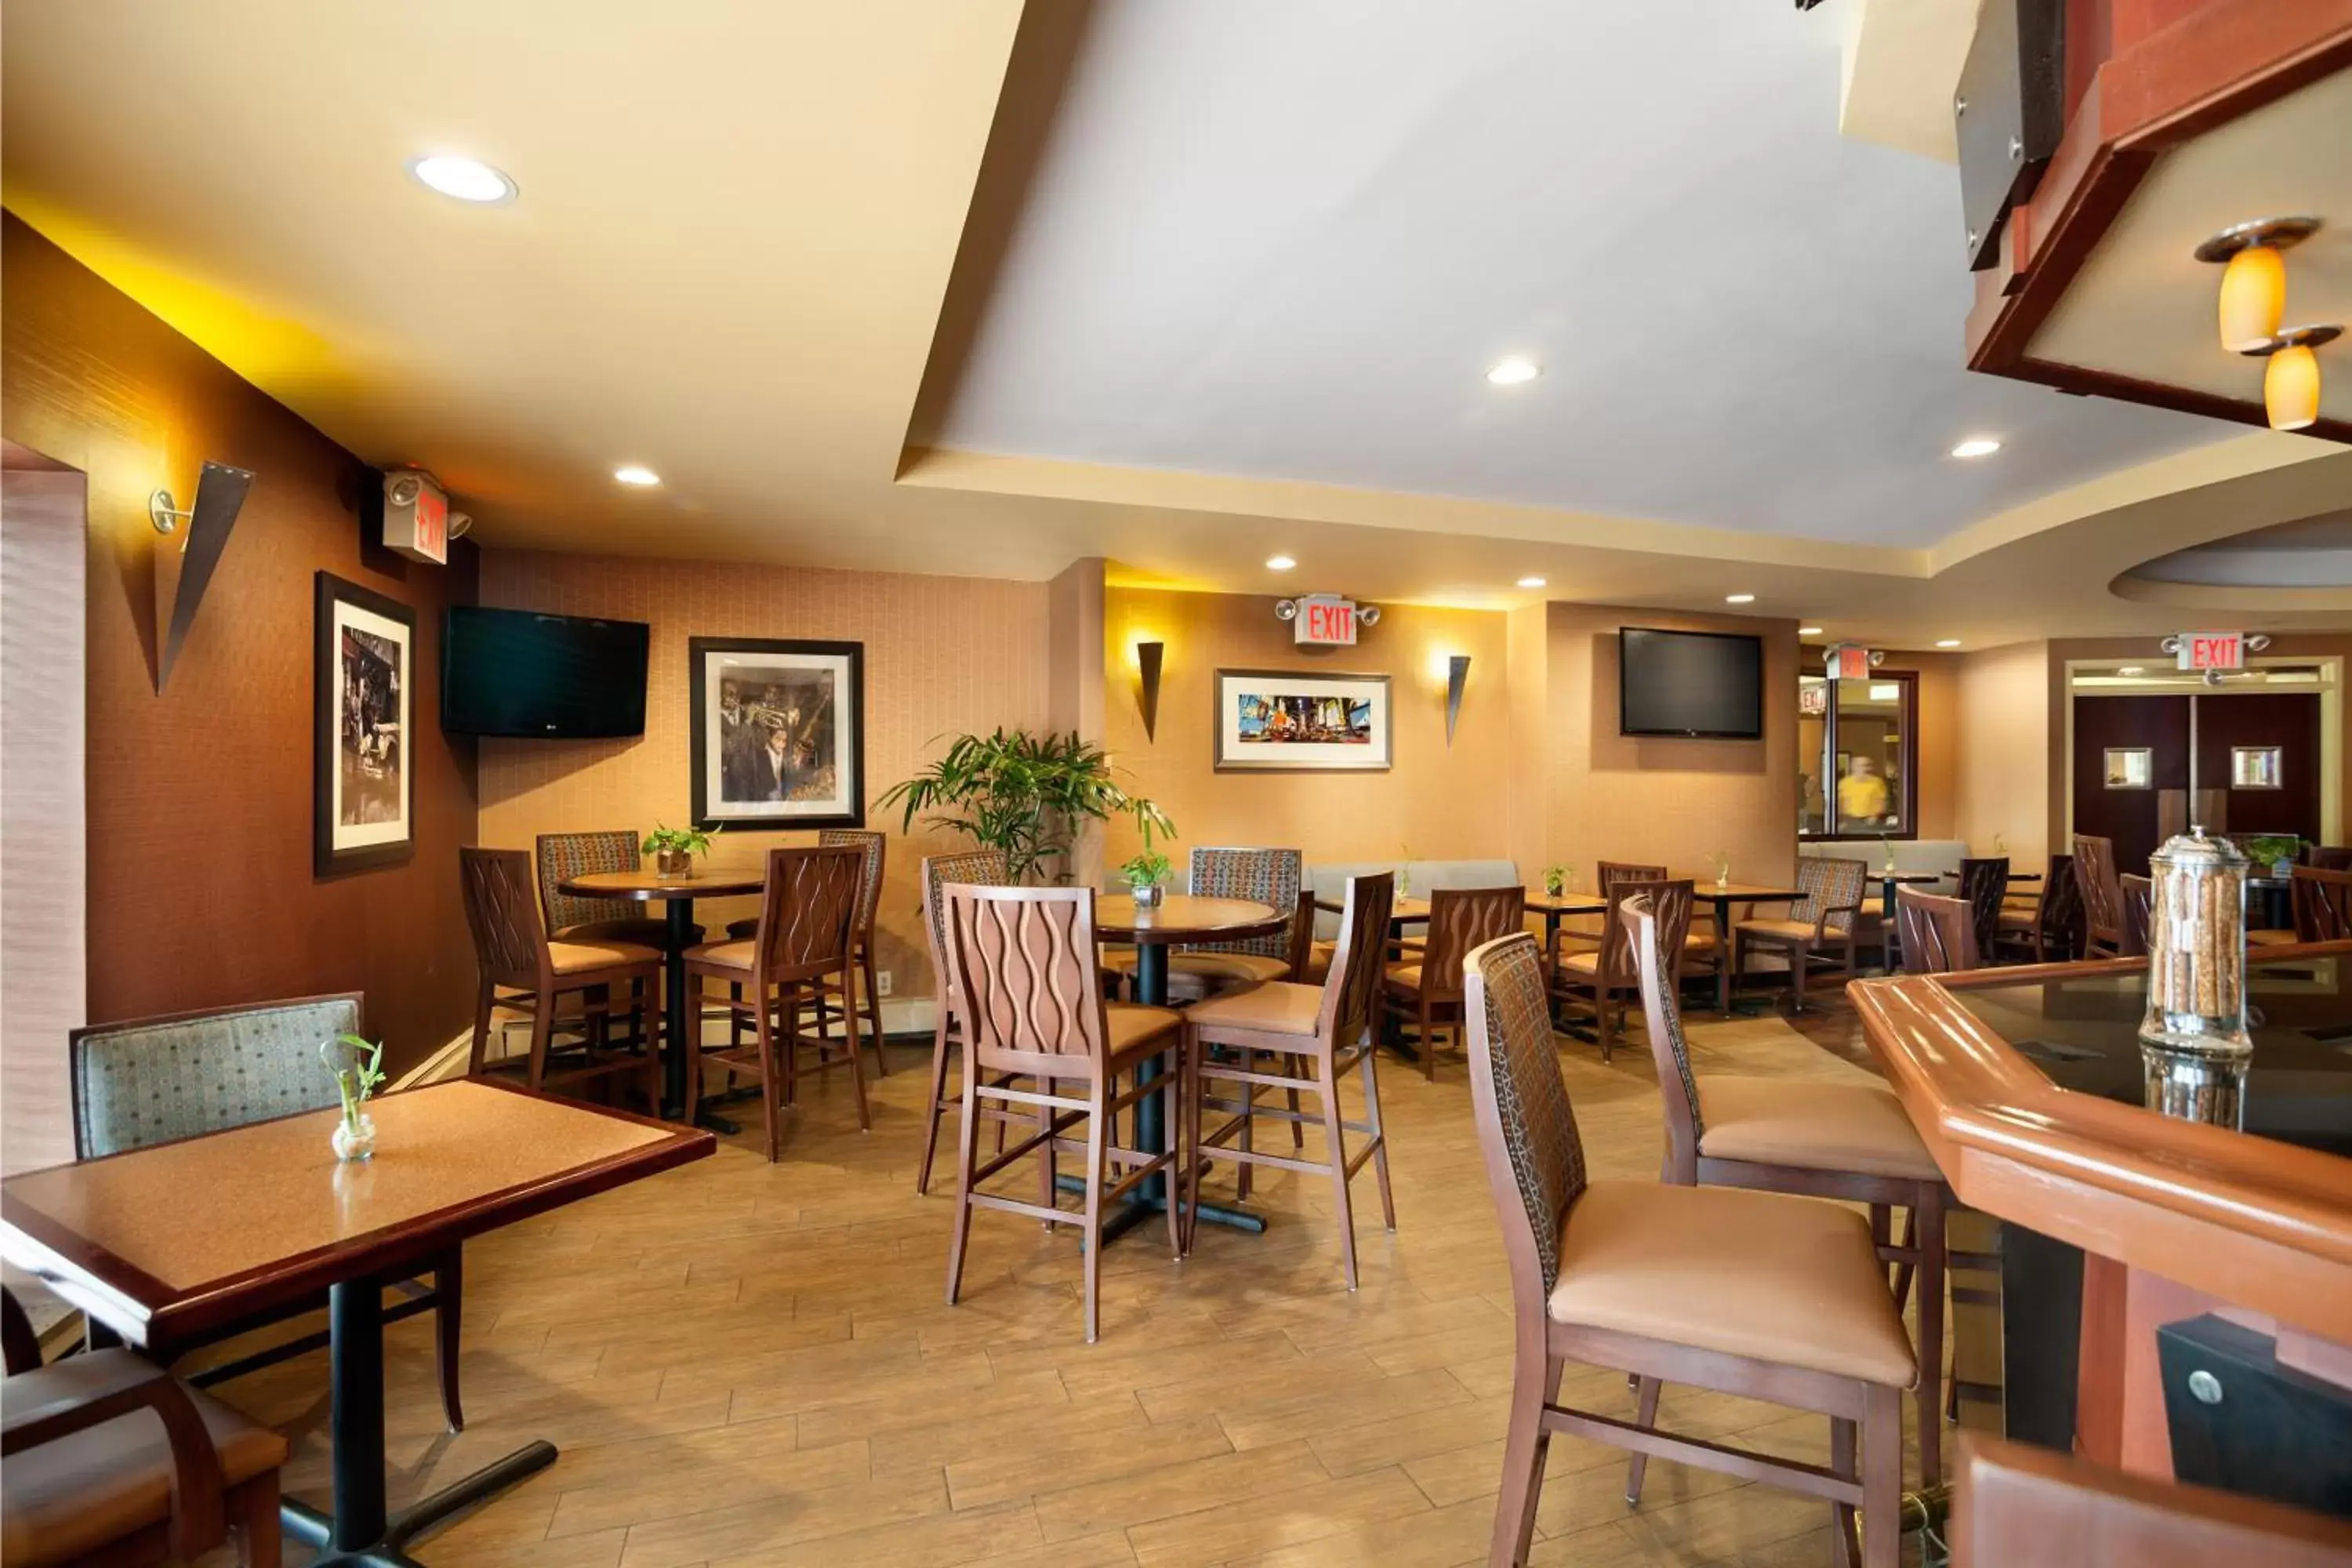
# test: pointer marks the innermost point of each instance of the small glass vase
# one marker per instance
(673, 863)
(354, 1138)
(1148, 895)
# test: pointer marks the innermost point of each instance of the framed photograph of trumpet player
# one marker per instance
(778, 730)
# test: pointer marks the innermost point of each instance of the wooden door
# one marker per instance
(2141, 743)
(2278, 730)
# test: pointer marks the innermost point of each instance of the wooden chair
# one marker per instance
(978, 868)
(1310, 1038)
(1984, 883)
(525, 971)
(1029, 1003)
(1272, 877)
(1603, 977)
(2139, 896)
(870, 903)
(111, 1460)
(562, 856)
(2325, 857)
(1819, 926)
(152, 1080)
(801, 943)
(1849, 1141)
(2322, 904)
(2051, 931)
(1427, 987)
(1939, 934)
(2102, 897)
(1750, 1293)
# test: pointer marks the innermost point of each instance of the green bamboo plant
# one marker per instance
(1026, 796)
(357, 1067)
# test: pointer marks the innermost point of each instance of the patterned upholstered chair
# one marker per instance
(150, 1080)
(1819, 929)
(571, 918)
(1261, 876)
(1750, 1293)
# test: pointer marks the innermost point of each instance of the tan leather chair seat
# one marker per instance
(1278, 1008)
(2016, 919)
(2272, 938)
(738, 954)
(1699, 941)
(1405, 977)
(1780, 931)
(1785, 1279)
(572, 957)
(66, 1500)
(1320, 955)
(1817, 1126)
(1585, 963)
(1131, 1024)
(1243, 968)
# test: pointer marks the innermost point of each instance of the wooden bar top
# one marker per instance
(2254, 1220)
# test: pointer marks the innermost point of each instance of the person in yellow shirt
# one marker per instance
(1862, 797)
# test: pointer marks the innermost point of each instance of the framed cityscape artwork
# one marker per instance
(1288, 721)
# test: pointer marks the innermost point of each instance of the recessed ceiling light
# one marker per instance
(636, 474)
(1809, 631)
(1531, 581)
(2132, 669)
(1739, 598)
(1977, 446)
(1279, 562)
(1511, 371)
(468, 179)
(1949, 642)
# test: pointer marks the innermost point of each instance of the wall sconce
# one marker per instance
(1147, 656)
(1457, 675)
(220, 496)
(2254, 285)
(2291, 379)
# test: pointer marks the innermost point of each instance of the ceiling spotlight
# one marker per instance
(2291, 379)
(1739, 598)
(1949, 642)
(1531, 581)
(1977, 446)
(1279, 562)
(2132, 669)
(468, 179)
(1513, 371)
(1809, 631)
(636, 474)
(2254, 287)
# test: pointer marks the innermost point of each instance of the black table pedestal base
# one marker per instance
(316, 1530)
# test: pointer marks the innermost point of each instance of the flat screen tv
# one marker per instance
(519, 673)
(1690, 684)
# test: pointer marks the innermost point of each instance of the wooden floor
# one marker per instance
(753, 1364)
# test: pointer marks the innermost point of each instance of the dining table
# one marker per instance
(1722, 895)
(679, 894)
(162, 1243)
(1153, 929)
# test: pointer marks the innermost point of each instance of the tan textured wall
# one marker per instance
(2001, 742)
(1668, 802)
(1445, 804)
(943, 655)
(1527, 633)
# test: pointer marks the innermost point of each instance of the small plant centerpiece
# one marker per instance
(1404, 871)
(1146, 874)
(357, 1067)
(1887, 849)
(1722, 860)
(1555, 882)
(2274, 852)
(673, 849)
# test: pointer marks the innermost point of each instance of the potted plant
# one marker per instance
(2274, 852)
(1025, 795)
(358, 1068)
(1886, 853)
(1722, 860)
(1146, 874)
(673, 849)
(1404, 871)
(1555, 882)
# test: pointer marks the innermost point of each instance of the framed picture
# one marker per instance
(1288, 721)
(364, 779)
(779, 732)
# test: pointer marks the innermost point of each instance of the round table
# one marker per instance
(678, 893)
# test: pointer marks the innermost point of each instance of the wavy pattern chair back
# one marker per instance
(502, 911)
(567, 855)
(1526, 1129)
(2139, 895)
(981, 868)
(1352, 992)
(2322, 904)
(808, 911)
(147, 1080)
(1670, 905)
(869, 887)
(2095, 878)
(1938, 934)
(1027, 989)
(2058, 916)
(1270, 877)
(1662, 1014)
(1461, 919)
(1615, 872)
(1984, 883)
(1831, 887)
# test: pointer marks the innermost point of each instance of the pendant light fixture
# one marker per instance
(2291, 379)
(2253, 283)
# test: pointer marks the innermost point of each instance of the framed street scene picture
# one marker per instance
(779, 732)
(364, 790)
(1287, 721)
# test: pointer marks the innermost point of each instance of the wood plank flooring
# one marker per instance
(746, 1364)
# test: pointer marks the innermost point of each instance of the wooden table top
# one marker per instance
(176, 1237)
(1706, 889)
(704, 882)
(1401, 909)
(1183, 917)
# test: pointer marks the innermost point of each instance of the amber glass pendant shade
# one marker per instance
(2254, 297)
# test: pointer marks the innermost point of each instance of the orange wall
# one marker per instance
(943, 655)
(1445, 804)
(2001, 736)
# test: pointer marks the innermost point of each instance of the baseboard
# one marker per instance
(908, 1018)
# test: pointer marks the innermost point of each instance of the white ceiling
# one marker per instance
(2312, 553)
(1285, 240)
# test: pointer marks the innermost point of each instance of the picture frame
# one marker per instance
(1302, 721)
(778, 732)
(363, 766)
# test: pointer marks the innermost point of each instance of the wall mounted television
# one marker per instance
(1690, 685)
(519, 673)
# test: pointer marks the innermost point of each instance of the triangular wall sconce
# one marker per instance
(1457, 675)
(220, 495)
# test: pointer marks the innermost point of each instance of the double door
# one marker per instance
(2147, 767)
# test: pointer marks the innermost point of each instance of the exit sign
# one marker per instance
(1324, 620)
(2212, 650)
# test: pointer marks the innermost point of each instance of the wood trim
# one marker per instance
(2264, 1224)
(2083, 382)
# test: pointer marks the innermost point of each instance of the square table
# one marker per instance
(162, 1242)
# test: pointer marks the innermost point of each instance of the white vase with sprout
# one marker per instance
(357, 1067)
(1722, 861)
